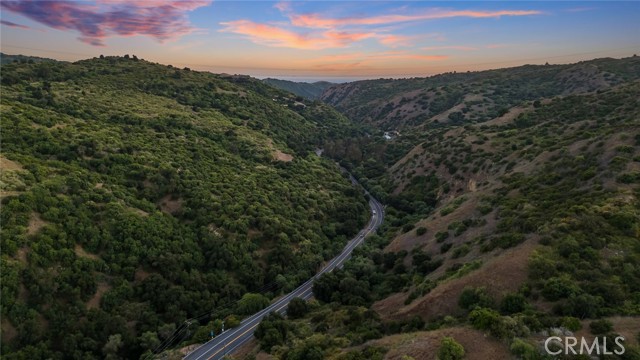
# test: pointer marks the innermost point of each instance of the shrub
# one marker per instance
(557, 288)
(599, 327)
(571, 323)
(421, 231)
(629, 178)
(484, 318)
(583, 306)
(441, 236)
(472, 297)
(461, 251)
(513, 303)
(450, 349)
(523, 349)
(407, 228)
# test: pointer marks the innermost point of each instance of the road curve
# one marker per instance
(231, 339)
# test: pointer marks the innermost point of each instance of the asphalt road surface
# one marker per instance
(231, 339)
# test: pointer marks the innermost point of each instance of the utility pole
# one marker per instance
(224, 346)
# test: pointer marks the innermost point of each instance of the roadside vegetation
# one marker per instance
(552, 186)
(141, 195)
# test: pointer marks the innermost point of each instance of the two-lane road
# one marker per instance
(231, 339)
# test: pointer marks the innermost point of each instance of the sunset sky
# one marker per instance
(334, 40)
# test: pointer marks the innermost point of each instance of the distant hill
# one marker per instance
(307, 90)
(396, 104)
(7, 59)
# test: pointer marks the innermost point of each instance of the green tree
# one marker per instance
(513, 303)
(450, 349)
(149, 340)
(472, 297)
(251, 303)
(111, 348)
(297, 308)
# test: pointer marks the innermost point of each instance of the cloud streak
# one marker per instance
(362, 57)
(314, 31)
(358, 61)
(13, 25)
(161, 20)
(274, 36)
(450, 47)
(319, 21)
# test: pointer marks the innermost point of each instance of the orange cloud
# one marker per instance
(271, 35)
(356, 63)
(395, 40)
(363, 57)
(275, 36)
(339, 32)
(318, 21)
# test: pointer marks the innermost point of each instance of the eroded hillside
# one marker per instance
(498, 229)
(456, 98)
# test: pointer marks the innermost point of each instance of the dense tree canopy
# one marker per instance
(143, 196)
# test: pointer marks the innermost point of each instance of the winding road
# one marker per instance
(231, 339)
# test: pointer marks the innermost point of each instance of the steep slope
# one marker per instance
(136, 195)
(307, 90)
(497, 234)
(405, 104)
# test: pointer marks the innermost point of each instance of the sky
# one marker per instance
(328, 40)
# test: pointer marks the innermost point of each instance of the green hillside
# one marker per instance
(405, 104)
(497, 231)
(136, 196)
(7, 59)
(306, 90)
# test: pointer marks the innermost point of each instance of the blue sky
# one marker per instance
(324, 39)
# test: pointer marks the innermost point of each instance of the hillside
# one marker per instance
(311, 91)
(136, 196)
(406, 104)
(7, 59)
(497, 232)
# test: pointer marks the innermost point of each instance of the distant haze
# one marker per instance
(328, 40)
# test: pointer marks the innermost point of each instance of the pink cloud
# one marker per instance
(319, 21)
(326, 32)
(177, 4)
(274, 36)
(161, 20)
(395, 40)
(283, 6)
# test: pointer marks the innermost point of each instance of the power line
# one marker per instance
(182, 328)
